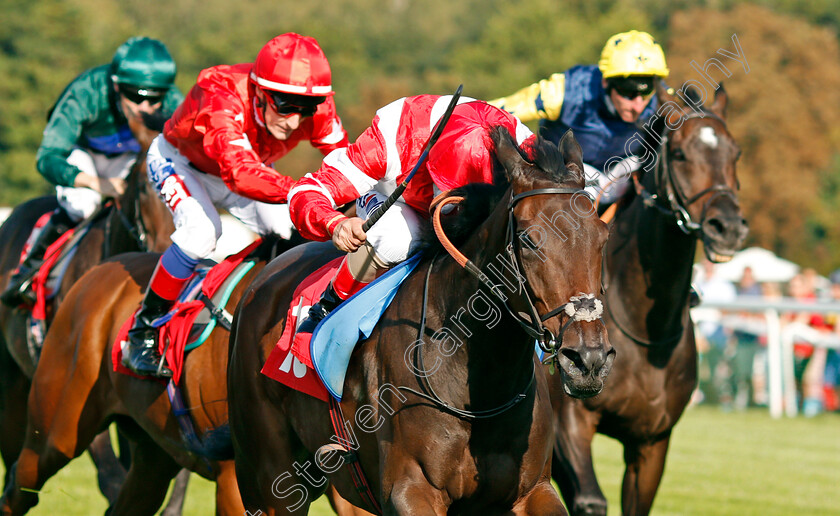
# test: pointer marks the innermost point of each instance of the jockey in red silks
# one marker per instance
(217, 151)
(369, 170)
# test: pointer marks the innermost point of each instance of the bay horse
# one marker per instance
(137, 220)
(76, 393)
(472, 433)
(688, 193)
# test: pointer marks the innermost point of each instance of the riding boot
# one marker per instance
(342, 286)
(19, 289)
(142, 355)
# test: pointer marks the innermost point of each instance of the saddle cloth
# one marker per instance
(199, 308)
(319, 366)
(49, 275)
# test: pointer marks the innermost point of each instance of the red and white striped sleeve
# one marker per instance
(345, 175)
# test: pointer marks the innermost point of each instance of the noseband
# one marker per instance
(677, 202)
(583, 307)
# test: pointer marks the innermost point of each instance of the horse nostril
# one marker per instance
(716, 225)
(585, 361)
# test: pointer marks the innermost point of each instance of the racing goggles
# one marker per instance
(285, 104)
(138, 95)
(632, 87)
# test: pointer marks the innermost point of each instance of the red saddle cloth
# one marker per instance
(40, 282)
(176, 331)
(290, 362)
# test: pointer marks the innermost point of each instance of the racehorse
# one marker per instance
(76, 393)
(451, 422)
(137, 220)
(688, 193)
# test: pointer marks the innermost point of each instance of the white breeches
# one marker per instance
(614, 184)
(194, 199)
(81, 203)
(397, 234)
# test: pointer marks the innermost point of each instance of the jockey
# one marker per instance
(217, 151)
(368, 170)
(605, 105)
(88, 149)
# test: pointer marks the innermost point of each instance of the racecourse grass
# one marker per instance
(719, 464)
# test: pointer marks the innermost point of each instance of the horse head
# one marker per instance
(695, 173)
(142, 212)
(555, 240)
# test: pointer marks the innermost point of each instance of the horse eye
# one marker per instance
(677, 155)
(526, 241)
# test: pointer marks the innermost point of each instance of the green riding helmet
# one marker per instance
(144, 63)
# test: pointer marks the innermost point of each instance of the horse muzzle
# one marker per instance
(586, 365)
(723, 231)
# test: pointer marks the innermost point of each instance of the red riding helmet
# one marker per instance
(291, 63)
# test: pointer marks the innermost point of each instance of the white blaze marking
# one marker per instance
(708, 136)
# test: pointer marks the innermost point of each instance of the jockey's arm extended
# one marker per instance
(541, 100)
(345, 175)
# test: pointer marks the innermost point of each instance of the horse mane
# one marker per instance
(480, 199)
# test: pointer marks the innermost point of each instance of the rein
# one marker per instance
(577, 308)
(433, 397)
(666, 185)
(584, 307)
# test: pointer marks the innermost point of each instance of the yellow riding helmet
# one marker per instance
(632, 53)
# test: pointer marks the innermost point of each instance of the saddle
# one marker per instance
(318, 366)
(199, 309)
(47, 280)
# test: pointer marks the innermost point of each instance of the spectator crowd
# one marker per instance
(733, 344)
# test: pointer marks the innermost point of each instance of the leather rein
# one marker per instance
(583, 307)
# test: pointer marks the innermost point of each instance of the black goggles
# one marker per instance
(632, 87)
(285, 104)
(139, 95)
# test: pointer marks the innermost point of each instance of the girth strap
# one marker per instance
(351, 458)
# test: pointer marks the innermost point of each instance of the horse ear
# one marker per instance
(718, 107)
(508, 152)
(572, 153)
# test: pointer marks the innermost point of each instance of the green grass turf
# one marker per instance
(719, 464)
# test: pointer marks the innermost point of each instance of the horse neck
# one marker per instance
(648, 266)
(495, 356)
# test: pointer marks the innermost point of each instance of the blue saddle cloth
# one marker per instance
(336, 336)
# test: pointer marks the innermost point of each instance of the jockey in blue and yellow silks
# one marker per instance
(605, 105)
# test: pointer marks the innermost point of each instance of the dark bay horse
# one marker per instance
(450, 414)
(688, 194)
(137, 221)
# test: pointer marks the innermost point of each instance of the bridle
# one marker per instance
(583, 307)
(676, 202)
(532, 322)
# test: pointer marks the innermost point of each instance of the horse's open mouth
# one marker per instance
(717, 255)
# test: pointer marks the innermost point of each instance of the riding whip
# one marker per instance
(380, 210)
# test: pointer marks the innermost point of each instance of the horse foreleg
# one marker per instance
(65, 408)
(543, 500)
(110, 474)
(572, 466)
(341, 506)
(147, 481)
(14, 387)
(228, 501)
(175, 505)
(414, 498)
(645, 464)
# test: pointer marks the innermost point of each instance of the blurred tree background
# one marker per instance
(783, 112)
